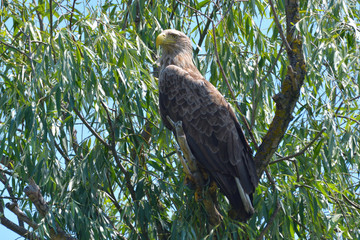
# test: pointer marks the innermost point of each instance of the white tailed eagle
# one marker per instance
(212, 131)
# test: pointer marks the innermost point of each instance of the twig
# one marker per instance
(71, 15)
(301, 151)
(112, 197)
(354, 98)
(173, 13)
(11, 198)
(15, 48)
(67, 159)
(229, 8)
(297, 171)
(51, 20)
(112, 147)
(351, 202)
(349, 118)
(91, 129)
(270, 222)
(282, 35)
(39, 18)
(4, 180)
(128, 3)
(340, 206)
(273, 65)
(204, 32)
(268, 175)
(314, 189)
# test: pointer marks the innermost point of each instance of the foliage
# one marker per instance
(79, 115)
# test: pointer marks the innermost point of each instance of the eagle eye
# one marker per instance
(173, 35)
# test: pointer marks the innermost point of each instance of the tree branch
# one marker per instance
(15, 48)
(33, 192)
(258, 95)
(112, 197)
(15, 228)
(4, 180)
(39, 18)
(13, 207)
(351, 202)
(51, 20)
(289, 94)
(204, 32)
(67, 159)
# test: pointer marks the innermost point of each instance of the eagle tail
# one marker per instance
(241, 204)
(245, 198)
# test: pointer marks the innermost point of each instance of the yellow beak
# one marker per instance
(160, 39)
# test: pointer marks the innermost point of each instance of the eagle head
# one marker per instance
(173, 41)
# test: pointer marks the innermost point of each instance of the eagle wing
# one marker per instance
(213, 133)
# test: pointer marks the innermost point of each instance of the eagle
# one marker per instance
(212, 131)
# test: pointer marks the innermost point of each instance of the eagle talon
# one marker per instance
(190, 182)
(198, 195)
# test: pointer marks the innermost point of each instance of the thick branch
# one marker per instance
(35, 196)
(32, 191)
(13, 207)
(15, 228)
(290, 92)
